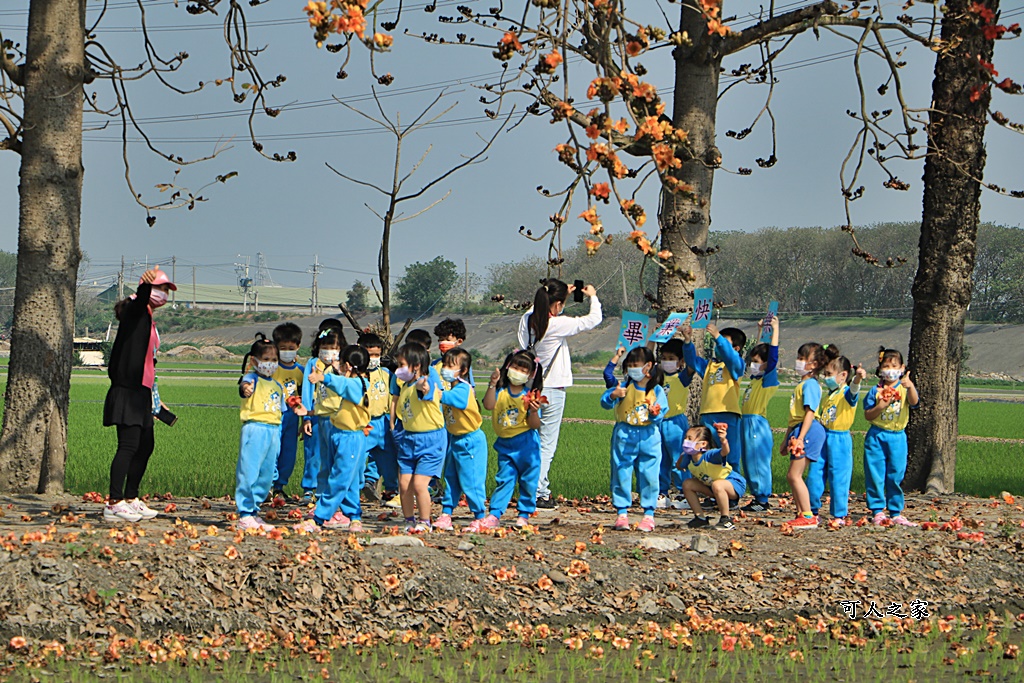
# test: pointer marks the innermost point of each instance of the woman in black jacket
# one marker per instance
(131, 400)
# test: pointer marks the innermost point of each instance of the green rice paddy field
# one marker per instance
(197, 456)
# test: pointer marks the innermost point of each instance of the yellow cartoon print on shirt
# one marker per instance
(718, 377)
(510, 418)
(272, 404)
(640, 415)
(830, 414)
(291, 387)
(892, 411)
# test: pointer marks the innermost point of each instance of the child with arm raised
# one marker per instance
(710, 474)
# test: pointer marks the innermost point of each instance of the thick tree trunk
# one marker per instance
(33, 445)
(949, 228)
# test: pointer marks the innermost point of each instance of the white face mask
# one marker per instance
(374, 362)
(288, 356)
(801, 367)
(330, 355)
(670, 366)
(517, 377)
(266, 368)
(891, 374)
(755, 369)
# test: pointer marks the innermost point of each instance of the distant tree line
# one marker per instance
(809, 271)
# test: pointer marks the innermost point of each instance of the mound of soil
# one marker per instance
(65, 574)
(184, 350)
(216, 353)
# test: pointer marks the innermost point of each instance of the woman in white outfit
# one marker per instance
(546, 334)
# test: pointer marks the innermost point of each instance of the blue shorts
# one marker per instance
(422, 453)
(814, 441)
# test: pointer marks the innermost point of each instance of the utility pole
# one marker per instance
(465, 301)
(174, 277)
(314, 294)
(244, 282)
(193, 287)
(120, 280)
(625, 300)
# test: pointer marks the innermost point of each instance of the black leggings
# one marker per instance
(134, 446)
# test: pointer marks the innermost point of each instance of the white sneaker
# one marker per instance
(663, 502)
(141, 508)
(263, 524)
(248, 522)
(121, 511)
(679, 503)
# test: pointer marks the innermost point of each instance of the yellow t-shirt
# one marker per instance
(379, 392)
(719, 392)
(459, 421)
(633, 408)
(678, 396)
(835, 411)
(806, 388)
(895, 417)
(757, 396)
(706, 471)
(351, 417)
(509, 415)
(327, 401)
(421, 415)
(290, 379)
(267, 401)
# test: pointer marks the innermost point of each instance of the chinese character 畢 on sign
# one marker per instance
(634, 332)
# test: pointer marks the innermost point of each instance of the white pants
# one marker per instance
(550, 426)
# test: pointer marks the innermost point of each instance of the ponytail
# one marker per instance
(551, 291)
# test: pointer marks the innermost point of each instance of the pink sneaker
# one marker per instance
(248, 522)
(902, 521)
(263, 524)
(522, 522)
(356, 526)
(443, 523)
(646, 524)
(840, 521)
(338, 521)
(307, 526)
(879, 518)
(484, 524)
(622, 523)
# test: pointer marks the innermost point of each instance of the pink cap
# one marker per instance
(162, 279)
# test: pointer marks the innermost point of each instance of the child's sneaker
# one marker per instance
(483, 524)
(308, 497)
(338, 521)
(804, 523)
(248, 522)
(709, 504)
(422, 527)
(522, 522)
(393, 501)
(443, 523)
(646, 524)
(680, 503)
(622, 523)
(120, 511)
(698, 523)
(902, 521)
(263, 524)
(143, 509)
(356, 527)
(724, 524)
(663, 502)
(757, 507)
(840, 521)
(879, 519)
(369, 492)
(307, 526)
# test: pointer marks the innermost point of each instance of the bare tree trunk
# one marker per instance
(33, 446)
(949, 228)
(685, 224)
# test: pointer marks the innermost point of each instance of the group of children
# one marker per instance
(411, 422)
(653, 440)
(408, 421)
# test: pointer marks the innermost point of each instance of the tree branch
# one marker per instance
(15, 72)
(356, 180)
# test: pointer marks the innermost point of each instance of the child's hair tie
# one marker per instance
(881, 356)
(825, 347)
(323, 333)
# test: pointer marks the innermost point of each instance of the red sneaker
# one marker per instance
(804, 523)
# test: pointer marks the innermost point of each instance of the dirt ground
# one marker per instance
(66, 574)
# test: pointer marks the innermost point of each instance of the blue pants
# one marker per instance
(349, 450)
(325, 431)
(289, 448)
(758, 447)
(673, 431)
(466, 472)
(734, 434)
(311, 456)
(518, 461)
(885, 463)
(422, 453)
(639, 447)
(257, 460)
(382, 459)
(837, 459)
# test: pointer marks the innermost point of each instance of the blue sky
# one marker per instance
(293, 211)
